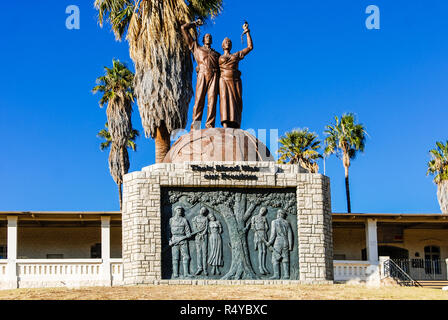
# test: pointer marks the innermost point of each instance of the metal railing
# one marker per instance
(424, 269)
(392, 269)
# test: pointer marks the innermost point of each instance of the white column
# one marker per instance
(446, 263)
(371, 241)
(11, 269)
(105, 249)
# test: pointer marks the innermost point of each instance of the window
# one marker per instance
(95, 251)
(432, 260)
(55, 256)
(3, 252)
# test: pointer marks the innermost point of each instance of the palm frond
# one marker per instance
(117, 13)
(345, 137)
(300, 146)
(105, 135)
(116, 86)
(438, 165)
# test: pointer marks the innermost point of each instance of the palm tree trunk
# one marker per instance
(122, 176)
(120, 195)
(442, 196)
(162, 142)
(123, 162)
(347, 190)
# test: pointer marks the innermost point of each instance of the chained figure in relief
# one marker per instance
(260, 227)
(200, 225)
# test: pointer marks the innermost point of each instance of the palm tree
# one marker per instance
(163, 63)
(345, 138)
(116, 85)
(438, 166)
(105, 134)
(115, 156)
(300, 147)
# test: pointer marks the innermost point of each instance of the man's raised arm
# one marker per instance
(185, 31)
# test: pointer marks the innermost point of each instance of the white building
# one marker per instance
(39, 249)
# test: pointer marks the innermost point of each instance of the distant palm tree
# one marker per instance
(117, 88)
(438, 166)
(345, 138)
(115, 160)
(118, 93)
(300, 147)
(162, 59)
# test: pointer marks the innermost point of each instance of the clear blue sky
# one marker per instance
(312, 60)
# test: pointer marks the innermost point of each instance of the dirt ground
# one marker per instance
(230, 292)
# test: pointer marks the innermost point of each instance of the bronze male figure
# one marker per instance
(207, 76)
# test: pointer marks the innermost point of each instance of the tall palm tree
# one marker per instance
(116, 85)
(115, 156)
(345, 138)
(438, 166)
(300, 146)
(163, 63)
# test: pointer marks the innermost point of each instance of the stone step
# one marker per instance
(433, 284)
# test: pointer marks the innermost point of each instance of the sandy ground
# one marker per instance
(231, 292)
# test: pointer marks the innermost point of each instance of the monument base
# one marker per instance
(226, 223)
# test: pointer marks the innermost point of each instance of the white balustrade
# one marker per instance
(116, 266)
(57, 269)
(50, 271)
(345, 270)
(62, 272)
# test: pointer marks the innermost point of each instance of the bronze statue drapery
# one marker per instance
(230, 86)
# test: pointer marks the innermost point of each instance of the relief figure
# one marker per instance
(260, 227)
(180, 232)
(281, 242)
(216, 257)
(200, 225)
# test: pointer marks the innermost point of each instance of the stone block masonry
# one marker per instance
(141, 220)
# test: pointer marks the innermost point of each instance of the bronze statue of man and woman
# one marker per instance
(217, 75)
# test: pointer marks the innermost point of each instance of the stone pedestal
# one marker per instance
(142, 215)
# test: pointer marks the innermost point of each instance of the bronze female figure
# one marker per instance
(230, 87)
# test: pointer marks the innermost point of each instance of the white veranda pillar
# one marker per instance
(11, 269)
(105, 249)
(371, 240)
